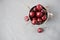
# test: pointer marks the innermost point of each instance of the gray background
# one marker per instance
(13, 26)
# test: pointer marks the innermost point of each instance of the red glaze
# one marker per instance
(44, 17)
(39, 14)
(34, 21)
(39, 7)
(40, 30)
(32, 14)
(26, 18)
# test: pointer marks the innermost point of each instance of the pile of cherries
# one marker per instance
(38, 14)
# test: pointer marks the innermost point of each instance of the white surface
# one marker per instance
(13, 26)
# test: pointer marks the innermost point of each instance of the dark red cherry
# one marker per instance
(34, 9)
(39, 14)
(34, 21)
(39, 7)
(39, 19)
(43, 11)
(44, 17)
(31, 14)
(40, 30)
(26, 18)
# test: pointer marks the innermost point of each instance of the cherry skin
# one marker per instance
(43, 11)
(39, 14)
(39, 7)
(34, 21)
(40, 30)
(44, 17)
(32, 14)
(39, 20)
(26, 18)
(35, 9)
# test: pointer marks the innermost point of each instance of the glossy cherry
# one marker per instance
(26, 18)
(44, 17)
(31, 14)
(39, 19)
(34, 21)
(43, 11)
(40, 30)
(39, 7)
(39, 14)
(34, 9)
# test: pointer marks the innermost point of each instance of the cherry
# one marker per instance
(39, 14)
(26, 18)
(34, 9)
(44, 17)
(34, 21)
(43, 11)
(32, 14)
(39, 7)
(39, 20)
(40, 30)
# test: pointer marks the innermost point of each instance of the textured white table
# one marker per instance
(13, 26)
